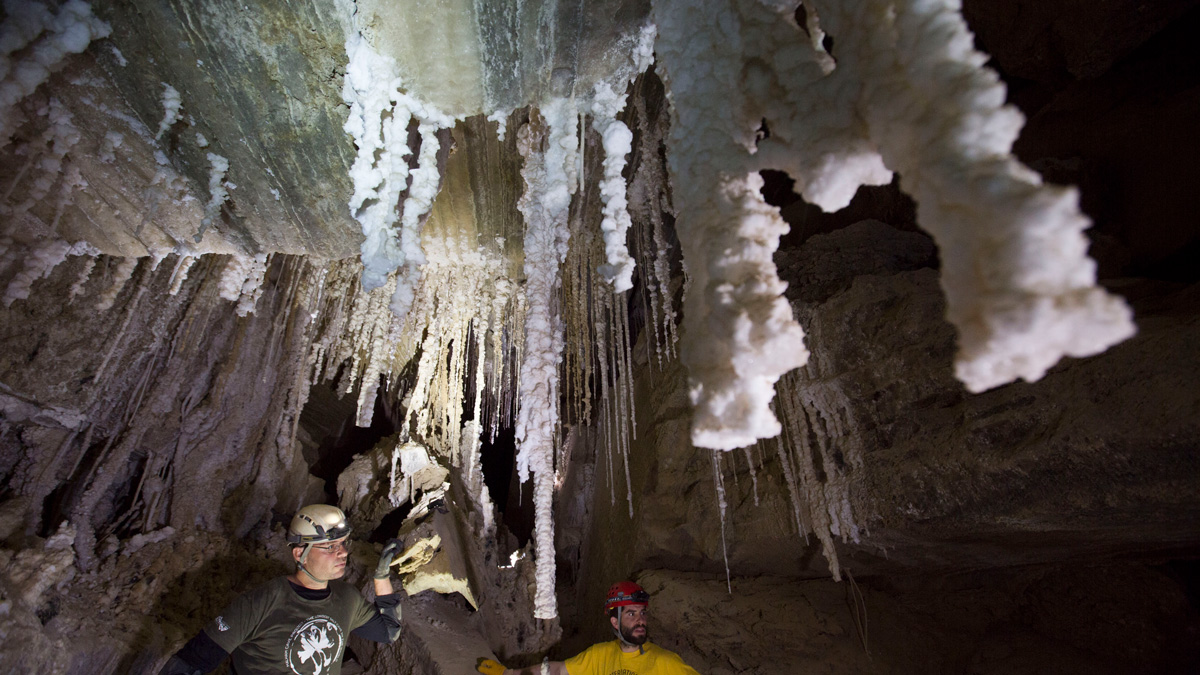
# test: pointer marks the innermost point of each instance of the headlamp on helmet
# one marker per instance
(625, 593)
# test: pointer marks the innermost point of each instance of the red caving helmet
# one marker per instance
(626, 593)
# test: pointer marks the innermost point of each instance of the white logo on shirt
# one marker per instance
(314, 646)
(221, 625)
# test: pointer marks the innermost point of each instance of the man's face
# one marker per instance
(632, 623)
(326, 560)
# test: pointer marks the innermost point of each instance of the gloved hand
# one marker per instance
(383, 569)
(489, 667)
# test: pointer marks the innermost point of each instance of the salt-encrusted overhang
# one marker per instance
(904, 89)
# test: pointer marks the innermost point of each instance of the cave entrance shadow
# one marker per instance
(191, 600)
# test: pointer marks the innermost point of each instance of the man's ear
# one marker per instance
(615, 621)
(296, 550)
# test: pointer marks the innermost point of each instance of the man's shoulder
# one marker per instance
(266, 589)
(664, 656)
(662, 652)
(339, 588)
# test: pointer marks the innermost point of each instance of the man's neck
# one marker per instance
(303, 578)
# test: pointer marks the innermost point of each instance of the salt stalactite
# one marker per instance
(217, 192)
(108, 147)
(251, 289)
(46, 163)
(435, 401)
(789, 476)
(179, 275)
(121, 276)
(42, 41)
(818, 428)
(472, 440)
(549, 182)
(84, 274)
(648, 201)
(380, 114)
(73, 181)
(381, 331)
(722, 505)
(171, 103)
(236, 272)
(40, 260)
(500, 117)
(618, 141)
(739, 336)
(753, 471)
(472, 435)
(421, 192)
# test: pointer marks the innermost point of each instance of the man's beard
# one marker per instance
(635, 640)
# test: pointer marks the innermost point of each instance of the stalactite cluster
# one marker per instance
(493, 291)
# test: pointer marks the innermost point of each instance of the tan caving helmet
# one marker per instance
(317, 523)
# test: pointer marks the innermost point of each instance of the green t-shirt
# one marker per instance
(607, 658)
(271, 629)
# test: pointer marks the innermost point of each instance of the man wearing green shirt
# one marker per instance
(298, 624)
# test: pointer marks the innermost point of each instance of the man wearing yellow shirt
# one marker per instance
(630, 654)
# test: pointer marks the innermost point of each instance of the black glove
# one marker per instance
(383, 569)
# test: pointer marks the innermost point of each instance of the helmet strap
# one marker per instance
(300, 565)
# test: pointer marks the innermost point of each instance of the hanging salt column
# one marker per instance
(549, 182)
(738, 335)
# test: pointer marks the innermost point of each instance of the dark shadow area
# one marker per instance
(192, 600)
(330, 420)
(390, 524)
(1116, 119)
(514, 501)
(885, 203)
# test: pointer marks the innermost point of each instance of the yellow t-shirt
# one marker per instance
(607, 658)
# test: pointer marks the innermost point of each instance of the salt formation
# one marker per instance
(112, 141)
(1019, 286)
(84, 275)
(738, 333)
(183, 263)
(171, 102)
(618, 141)
(818, 452)
(549, 149)
(40, 260)
(46, 161)
(414, 471)
(251, 289)
(217, 191)
(43, 40)
(606, 104)
(380, 114)
(907, 89)
(649, 200)
(121, 275)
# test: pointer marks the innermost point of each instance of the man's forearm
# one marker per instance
(383, 587)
